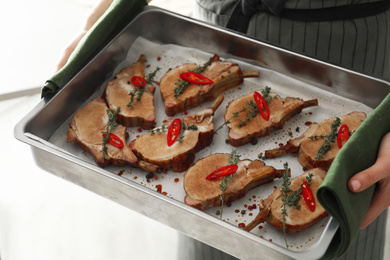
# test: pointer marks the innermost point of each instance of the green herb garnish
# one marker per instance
(234, 158)
(137, 92)
(111, 126)
(329, 138)
(289, 197)
(182, 84)
(252, 107)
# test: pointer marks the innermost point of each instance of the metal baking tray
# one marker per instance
(288, 73)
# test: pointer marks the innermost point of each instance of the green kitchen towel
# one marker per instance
(119, 13)
(359, 153)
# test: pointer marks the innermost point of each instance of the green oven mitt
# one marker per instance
(119, 14)
(359, 153)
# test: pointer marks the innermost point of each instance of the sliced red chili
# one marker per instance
(261, 105)
(114, 140)
(196, 78)
(222, 172)
(173, 131)
(342, 134)
(308, 196)
(138, 81)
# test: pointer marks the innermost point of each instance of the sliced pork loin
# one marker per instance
(203, 194)
(280, 111)
(86, 128)
(224, 74)
(297, 219)
(156, 155)
(307, 147)
(140, 113)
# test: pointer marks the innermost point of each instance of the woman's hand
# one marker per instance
(94, 15)
(377, 173)
(65, 53)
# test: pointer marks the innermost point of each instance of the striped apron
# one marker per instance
(360, 43)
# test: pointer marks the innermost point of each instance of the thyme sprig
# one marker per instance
(265, 93)
(329, 138)
(253, 111)
(183, 128)
(161, 129)
(111, 126)
(235, 115)
(137, 92)
(182, 84)
(289, 197)
(234, 158)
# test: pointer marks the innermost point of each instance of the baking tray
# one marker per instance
(157, 32)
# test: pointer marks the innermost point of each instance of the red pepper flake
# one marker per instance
(237, 211)
(185, 113)
(159, 188)
(139, 130)
(241, 225)
(159, 58)
(177, 179)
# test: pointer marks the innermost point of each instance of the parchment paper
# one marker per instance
(170, 56)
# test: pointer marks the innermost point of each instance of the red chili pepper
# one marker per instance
(138, 81)
(173, 131)
(308, 196)
(196, 78)
(114, 140)
(223, 171)
(342, 134)
(261, 105)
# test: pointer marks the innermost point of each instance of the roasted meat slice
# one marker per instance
(121, 90)
(297, 219)
(203, 194)
(224, 74)
(310, 142)
(153, 151)
(248, 125)
(87, 126)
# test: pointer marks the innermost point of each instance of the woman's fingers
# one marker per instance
(378, 173)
